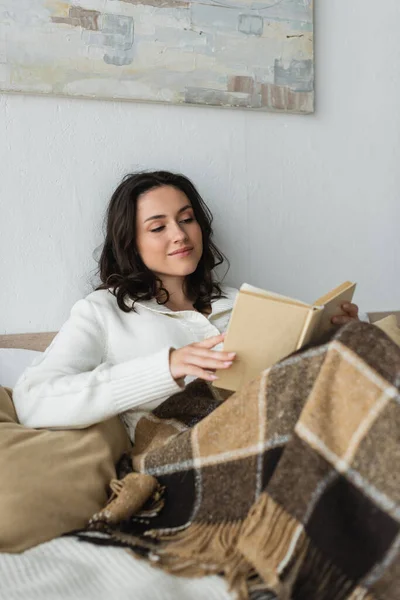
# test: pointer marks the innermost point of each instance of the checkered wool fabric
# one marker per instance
(290, 488)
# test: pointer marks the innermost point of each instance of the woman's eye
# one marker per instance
(161, 227)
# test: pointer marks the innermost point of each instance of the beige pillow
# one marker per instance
(390, 327)
(52, 481)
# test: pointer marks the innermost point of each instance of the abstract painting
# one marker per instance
(255, 54)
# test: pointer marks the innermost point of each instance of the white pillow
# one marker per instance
(13, 362)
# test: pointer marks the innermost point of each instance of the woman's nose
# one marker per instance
(179, 233)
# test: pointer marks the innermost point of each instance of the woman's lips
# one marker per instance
(182, 253)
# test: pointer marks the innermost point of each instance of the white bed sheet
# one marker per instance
(66, 569)
(13, 362)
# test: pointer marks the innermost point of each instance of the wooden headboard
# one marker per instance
(27, 341)
(40, 341)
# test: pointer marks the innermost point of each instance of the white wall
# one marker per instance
(301, 203)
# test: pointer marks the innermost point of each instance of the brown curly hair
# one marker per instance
(120, 267)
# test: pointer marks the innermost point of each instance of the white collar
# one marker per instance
(218, 306)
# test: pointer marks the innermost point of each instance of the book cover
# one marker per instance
(266, 327)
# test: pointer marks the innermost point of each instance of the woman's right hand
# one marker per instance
(199, 360)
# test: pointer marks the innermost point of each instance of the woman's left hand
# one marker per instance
(350, 313)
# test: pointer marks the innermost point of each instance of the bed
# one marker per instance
(65, 568)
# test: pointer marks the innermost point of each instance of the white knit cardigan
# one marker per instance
(105, 362)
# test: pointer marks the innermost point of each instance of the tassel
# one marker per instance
(128, 497)
(266, 541)
(360, 594)
(319, 578)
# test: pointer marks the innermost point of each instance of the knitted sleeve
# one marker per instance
(70, 385)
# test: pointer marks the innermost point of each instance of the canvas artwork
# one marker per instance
(255, 54)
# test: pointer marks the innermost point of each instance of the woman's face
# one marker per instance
(168, 237)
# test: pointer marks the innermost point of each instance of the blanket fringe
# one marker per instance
(241, 551)
(319, 578)
(259, 549)
(276, 544)
(361, 594)
(201, 549)
(266, 540)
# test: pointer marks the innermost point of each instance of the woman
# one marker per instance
(154, 322)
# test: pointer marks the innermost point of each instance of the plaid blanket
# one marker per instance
(289, 488)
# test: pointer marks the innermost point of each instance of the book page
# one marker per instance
(251, 289)
(334, 293)
(311, 325)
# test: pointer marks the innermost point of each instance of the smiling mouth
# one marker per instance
(183, 252)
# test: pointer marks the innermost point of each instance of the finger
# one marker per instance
(213, 354)
(350, 309)
(201, 373)
(207, 363)
(211, 342)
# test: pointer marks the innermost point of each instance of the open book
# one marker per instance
(265, 327)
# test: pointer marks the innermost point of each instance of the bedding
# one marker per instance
(290, 488)
(52, 480)
(390, 326)
(65, 569)
(13, 362)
